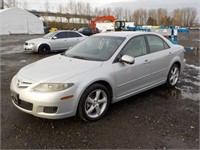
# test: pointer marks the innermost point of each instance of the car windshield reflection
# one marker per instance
(49, 35)
(96, 48)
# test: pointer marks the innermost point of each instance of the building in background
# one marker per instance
(19, 21)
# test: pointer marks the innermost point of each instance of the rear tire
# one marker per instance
(173, 76)
(94, 102)
(44, 49)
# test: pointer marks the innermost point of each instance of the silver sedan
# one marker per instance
(103, 69)
(54, 41)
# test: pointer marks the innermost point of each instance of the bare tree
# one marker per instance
(127, 14)
(47, 8)
(143, 16)
(151, 21)
(60, 11)
(153, 14)
(107, 11)
(10, 3)
(161, 16)
(118, 13)
(99, 12)
(88, 9)
(189, 15)
(177, 17)
(140, 16)
(185, 16)
(25, 5)
(193, 16)
(72, 7)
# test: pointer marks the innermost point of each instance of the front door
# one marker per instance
(59, 41)
(131, 78)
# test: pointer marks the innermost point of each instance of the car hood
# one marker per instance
(57, 68)
(37, 40)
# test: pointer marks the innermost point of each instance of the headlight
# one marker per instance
(31, 44)
(51, 87)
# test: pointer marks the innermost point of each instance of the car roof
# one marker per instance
(124, 33)
(65, 31)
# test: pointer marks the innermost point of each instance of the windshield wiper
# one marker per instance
(80, 57)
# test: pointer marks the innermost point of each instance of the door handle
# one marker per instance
(146, 62)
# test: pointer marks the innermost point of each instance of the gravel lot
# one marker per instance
(157, 119)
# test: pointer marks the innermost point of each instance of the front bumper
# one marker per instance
(30, 48)
(44, 104)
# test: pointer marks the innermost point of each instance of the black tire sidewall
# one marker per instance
(81, 107)
(41, 51)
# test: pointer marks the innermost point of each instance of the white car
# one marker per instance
(54, 41)
(102, 69)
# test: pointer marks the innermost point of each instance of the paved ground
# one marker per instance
(157, 119)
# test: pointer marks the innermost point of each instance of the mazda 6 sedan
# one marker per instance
(54, 41)
(103, 69)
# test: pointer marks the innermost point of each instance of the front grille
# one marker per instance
(23, 104)
(50, 109)
(22, 84)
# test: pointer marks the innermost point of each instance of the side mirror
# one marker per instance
(127, 59)
(55, 37)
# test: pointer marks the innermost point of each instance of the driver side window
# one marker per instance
(61, 35)
(135, 47)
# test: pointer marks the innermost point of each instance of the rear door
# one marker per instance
(159, 58)
(74, 38)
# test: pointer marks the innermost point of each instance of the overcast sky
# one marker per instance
(131, 4)
(38, 4)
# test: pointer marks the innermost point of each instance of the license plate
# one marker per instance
(15, 97)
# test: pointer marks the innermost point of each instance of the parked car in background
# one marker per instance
(54, 41)
(103, 69)
(88, 31)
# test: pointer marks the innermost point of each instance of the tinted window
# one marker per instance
(88, 30)
(135, 47)
(156, 43)
(73, 34)
(61, 35)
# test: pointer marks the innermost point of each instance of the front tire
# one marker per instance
(94, 102)
(44, 49)
(173, 76)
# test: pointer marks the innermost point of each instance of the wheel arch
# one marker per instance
(178, 63)
(107, 85)
(102, 82)
(175, 60)
(43, 44)
(81, 102)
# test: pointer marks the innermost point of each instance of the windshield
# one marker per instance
(49, 35)
(97, 48)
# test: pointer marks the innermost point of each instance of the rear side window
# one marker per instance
(156, 43)
(88, 30)
(73, 34)
(135, 47)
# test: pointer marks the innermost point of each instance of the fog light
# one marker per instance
(50, 109)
